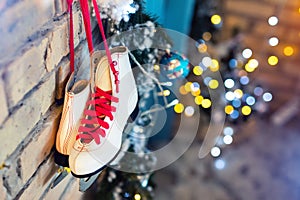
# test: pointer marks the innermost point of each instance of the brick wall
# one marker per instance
(34, 67)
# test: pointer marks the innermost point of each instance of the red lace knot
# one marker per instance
(70, 2)
(98, 108)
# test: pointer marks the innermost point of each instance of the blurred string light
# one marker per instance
(137, 197)
(189, 111)
(250, 100)
(267, 97)
(179, 108)
(273, 60)
(197, 70)
(220, 164)
(258, 91)
(216, 19)
(214, 67)
(228, 131)
(198, 100)
(228, 139)
(206, 61)
(229, 109)
(247, 53)
(233, 63)
(229, 83)
(215, 152)
(206, 36)
(246, 110)
(273, 21)
(244, 80)
(213, 84)
(235, 114)
(273, 41)
(206, 103)
(288, 51)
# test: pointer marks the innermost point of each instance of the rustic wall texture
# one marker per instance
(34, 66)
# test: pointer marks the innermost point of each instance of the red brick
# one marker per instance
(23, 119)
(25, 72)
(39, 148)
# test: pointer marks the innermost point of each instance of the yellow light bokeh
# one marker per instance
(229, 109)
(187, 86)
(206, 36)
(196, 92)
(206, 103)
(213, 84)
(248, 68)
(246, 110)
(273, 60)
(182, 90)
(179, 108)
(288, 51)
(214, 65)
(253, 63)
(156, 67)
(202, 48)
(238, 93)
(197, 70)
(216, 19)
(137, 197)
(198, 100)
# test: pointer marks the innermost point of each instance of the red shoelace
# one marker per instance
(98, 108)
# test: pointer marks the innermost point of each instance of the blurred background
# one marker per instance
(256, 157)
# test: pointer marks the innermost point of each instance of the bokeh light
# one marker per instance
(238, 93)
(179, 108)
(197, 70)
(220, 164)
(216, 19)
(206, 61)
(267, 97)
(229, 83)
(206, 36)
(214, 67)
(228, 139)
(228, 131)
(229, 96)
(246, 110)
(235, 114)
(198, 100)
(215, 151)
(213, 84)
(273, 41)
(247, 53)
(206, 103)
(273, 21)
(273, 60)
(189, 111)
(229, 109)
(244, 80)
(288, 51)
(182, 90)
(250, 100)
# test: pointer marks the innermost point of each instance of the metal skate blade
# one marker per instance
(85, 183)
(61, 174)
